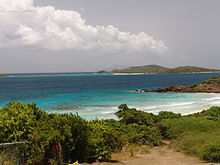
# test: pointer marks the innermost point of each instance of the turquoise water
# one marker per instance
(98, 95)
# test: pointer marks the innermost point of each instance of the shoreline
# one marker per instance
(91, 74)
(211, 85)
(148, 73)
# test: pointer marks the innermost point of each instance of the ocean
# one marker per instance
(98, 95)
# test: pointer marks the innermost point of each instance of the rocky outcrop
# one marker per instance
(167, 89)
(3, 75)
(209, 86)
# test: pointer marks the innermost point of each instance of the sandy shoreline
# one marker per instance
(129, 73)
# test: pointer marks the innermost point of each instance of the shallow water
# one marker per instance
(98, 95)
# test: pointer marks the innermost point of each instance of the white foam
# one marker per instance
(213, 98)
(180, 104)
(165, 106)
(108, 112)
(190, 113)
(215, 103)
(150, 107)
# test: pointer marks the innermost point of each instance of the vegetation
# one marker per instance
(197, 134)
(47, 135)
(68, 138)
(141, 69)
(190, 69)
(65, 138)
(213, 80)
(212, 85)
(161, 69)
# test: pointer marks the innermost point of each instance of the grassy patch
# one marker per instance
(197, 135)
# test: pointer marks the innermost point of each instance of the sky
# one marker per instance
(93, 35)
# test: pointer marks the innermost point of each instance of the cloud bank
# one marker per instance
(23, 24)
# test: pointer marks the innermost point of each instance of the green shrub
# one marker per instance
(174, 128)
(53, 138)
(213, 80)
(143, 135)
(211, 152)
(47, 135)
(76, 137)
(103, 141)
(130, 116)
(212, 113)
(199, 88)
(196, 134)
(167, 115)
(193, 85)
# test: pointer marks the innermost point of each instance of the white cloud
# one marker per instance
(22, 24)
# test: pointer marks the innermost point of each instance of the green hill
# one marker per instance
(161, 69)
(141, 69)
(213, 80)
(190, 69)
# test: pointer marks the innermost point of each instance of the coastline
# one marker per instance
(211, 85)
(106, 92)
(24, 75)
(127, 73)
(148, 73)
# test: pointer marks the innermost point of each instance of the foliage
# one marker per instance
(212, 113)
(199, 88)
(54, 138)
(211, 152)
(141, 69)
(46, 134)
(196, 134)
(178, 127)
(130, 116)
(192, 85)
(75, 134)
(190, 69)
(161, 69)
(138, 127)
(143, 135)
(167, 115)
(103, 140)
(213, 80)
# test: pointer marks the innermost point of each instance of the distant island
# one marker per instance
(212, 85)
(150, 69)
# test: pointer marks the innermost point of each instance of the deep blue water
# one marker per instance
(98, 95)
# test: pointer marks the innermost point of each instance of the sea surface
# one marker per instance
(98, 95)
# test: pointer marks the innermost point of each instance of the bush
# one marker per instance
(193, 85)
(130, 116)
(52, 138)
(76, 137)
(25, 122)
(174, 128)
(103, 141)
(199, 88)
(196, 134)
(211, 152)
(47, 135)
(143, 135)
(167, 115)
(212, 113)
